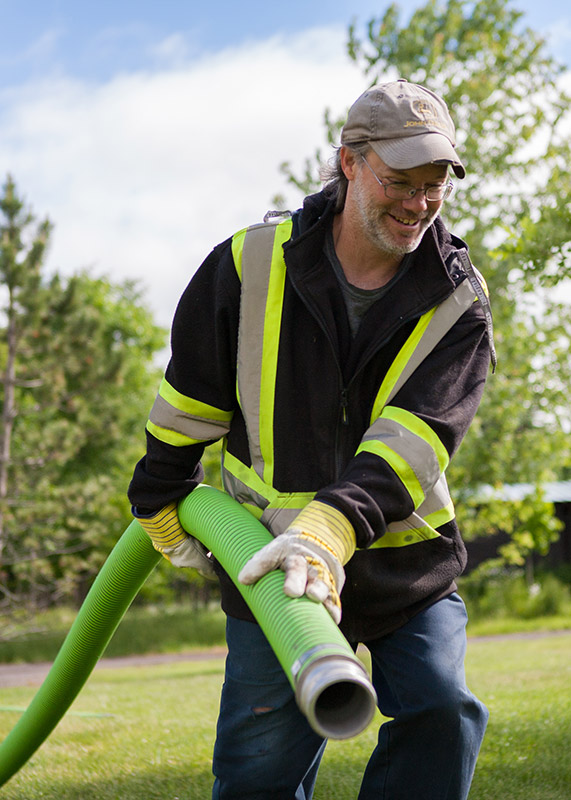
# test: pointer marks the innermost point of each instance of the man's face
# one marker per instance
(395, 227)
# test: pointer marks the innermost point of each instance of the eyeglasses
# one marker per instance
(402, 191)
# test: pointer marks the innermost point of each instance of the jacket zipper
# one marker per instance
(343, 424)
(341, 429)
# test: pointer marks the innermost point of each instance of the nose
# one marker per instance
(418, 203)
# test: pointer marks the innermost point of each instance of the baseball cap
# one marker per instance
(406, 124)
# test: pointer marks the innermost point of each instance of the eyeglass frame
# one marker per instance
(447, 187)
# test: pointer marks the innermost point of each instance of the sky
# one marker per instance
(148, 132)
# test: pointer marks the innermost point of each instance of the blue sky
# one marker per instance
(95, 40)
(149, 131)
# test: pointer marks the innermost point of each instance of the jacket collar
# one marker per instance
(432, 273)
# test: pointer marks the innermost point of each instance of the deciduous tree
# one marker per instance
(77, 382)
(514, 209)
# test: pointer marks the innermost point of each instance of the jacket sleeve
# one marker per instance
(197, 395)
(403, 455)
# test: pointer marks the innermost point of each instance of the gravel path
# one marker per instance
(34, 674)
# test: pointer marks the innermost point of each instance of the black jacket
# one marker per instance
(325, 386)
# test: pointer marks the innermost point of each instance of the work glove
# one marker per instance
(311, 552)
(173, 542)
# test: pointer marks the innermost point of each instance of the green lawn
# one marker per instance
(152, 730)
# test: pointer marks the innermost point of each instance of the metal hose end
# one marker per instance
(336, 696)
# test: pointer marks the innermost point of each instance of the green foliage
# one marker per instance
(510, 111)
(530, 523)
(494, 592)
(77, 383)
(514, 208)
(150, 629)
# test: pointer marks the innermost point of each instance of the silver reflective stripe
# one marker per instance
(420, 526)
(445, 316)
(275, 510)
(438, 499)
(166, 416)
(241, 492)
(419, 457)
(257, 255)
(283, 509)
(436, 509)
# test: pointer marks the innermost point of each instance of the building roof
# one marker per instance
(554, 491)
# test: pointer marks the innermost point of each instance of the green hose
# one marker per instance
(128, 566)
(331, 685)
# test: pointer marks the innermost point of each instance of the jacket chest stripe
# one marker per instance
(429, 330)
(395, 370)
(258, 339)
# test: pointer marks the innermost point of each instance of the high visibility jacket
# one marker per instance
(263, 358)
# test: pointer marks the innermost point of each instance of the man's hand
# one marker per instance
(311, 552)
(173, 542)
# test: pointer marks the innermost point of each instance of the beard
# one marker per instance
(376, 224)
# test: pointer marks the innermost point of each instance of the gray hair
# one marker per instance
(333, 177)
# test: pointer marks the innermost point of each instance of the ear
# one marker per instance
(349, 162)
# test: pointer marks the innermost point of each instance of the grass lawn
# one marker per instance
(152, 730)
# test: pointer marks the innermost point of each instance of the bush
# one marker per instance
(153, 629)
(493, 591)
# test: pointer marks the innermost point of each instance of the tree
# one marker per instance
(77, 383)
(514, 208)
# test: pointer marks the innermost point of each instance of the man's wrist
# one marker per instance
(328, 527)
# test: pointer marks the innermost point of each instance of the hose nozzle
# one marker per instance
(335, 694)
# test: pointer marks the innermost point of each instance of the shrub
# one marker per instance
(496, 591)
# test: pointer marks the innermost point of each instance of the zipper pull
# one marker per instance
(344, 406)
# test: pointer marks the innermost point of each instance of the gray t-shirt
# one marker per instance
(358, 301)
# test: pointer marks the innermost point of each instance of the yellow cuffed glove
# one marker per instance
(311, 552)
(173, 542)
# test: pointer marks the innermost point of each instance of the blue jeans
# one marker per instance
(265, 748)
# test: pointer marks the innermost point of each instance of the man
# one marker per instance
(341, 353)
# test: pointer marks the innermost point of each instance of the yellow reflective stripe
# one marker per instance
(171, 437)
(400, 362)
(422, 533)
(241, 481)
(442, 516)
(237, 249)
(249, 477)
(483, 283)
(295, 501)
(255, 511)
(420, 428)
(190, 406)
(269, 366)
(400, 466)
(404, 538)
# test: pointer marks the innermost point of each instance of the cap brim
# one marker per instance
(408, 152)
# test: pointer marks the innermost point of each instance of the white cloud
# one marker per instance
(142, 175)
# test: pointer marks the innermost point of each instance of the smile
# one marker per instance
(403, 221)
